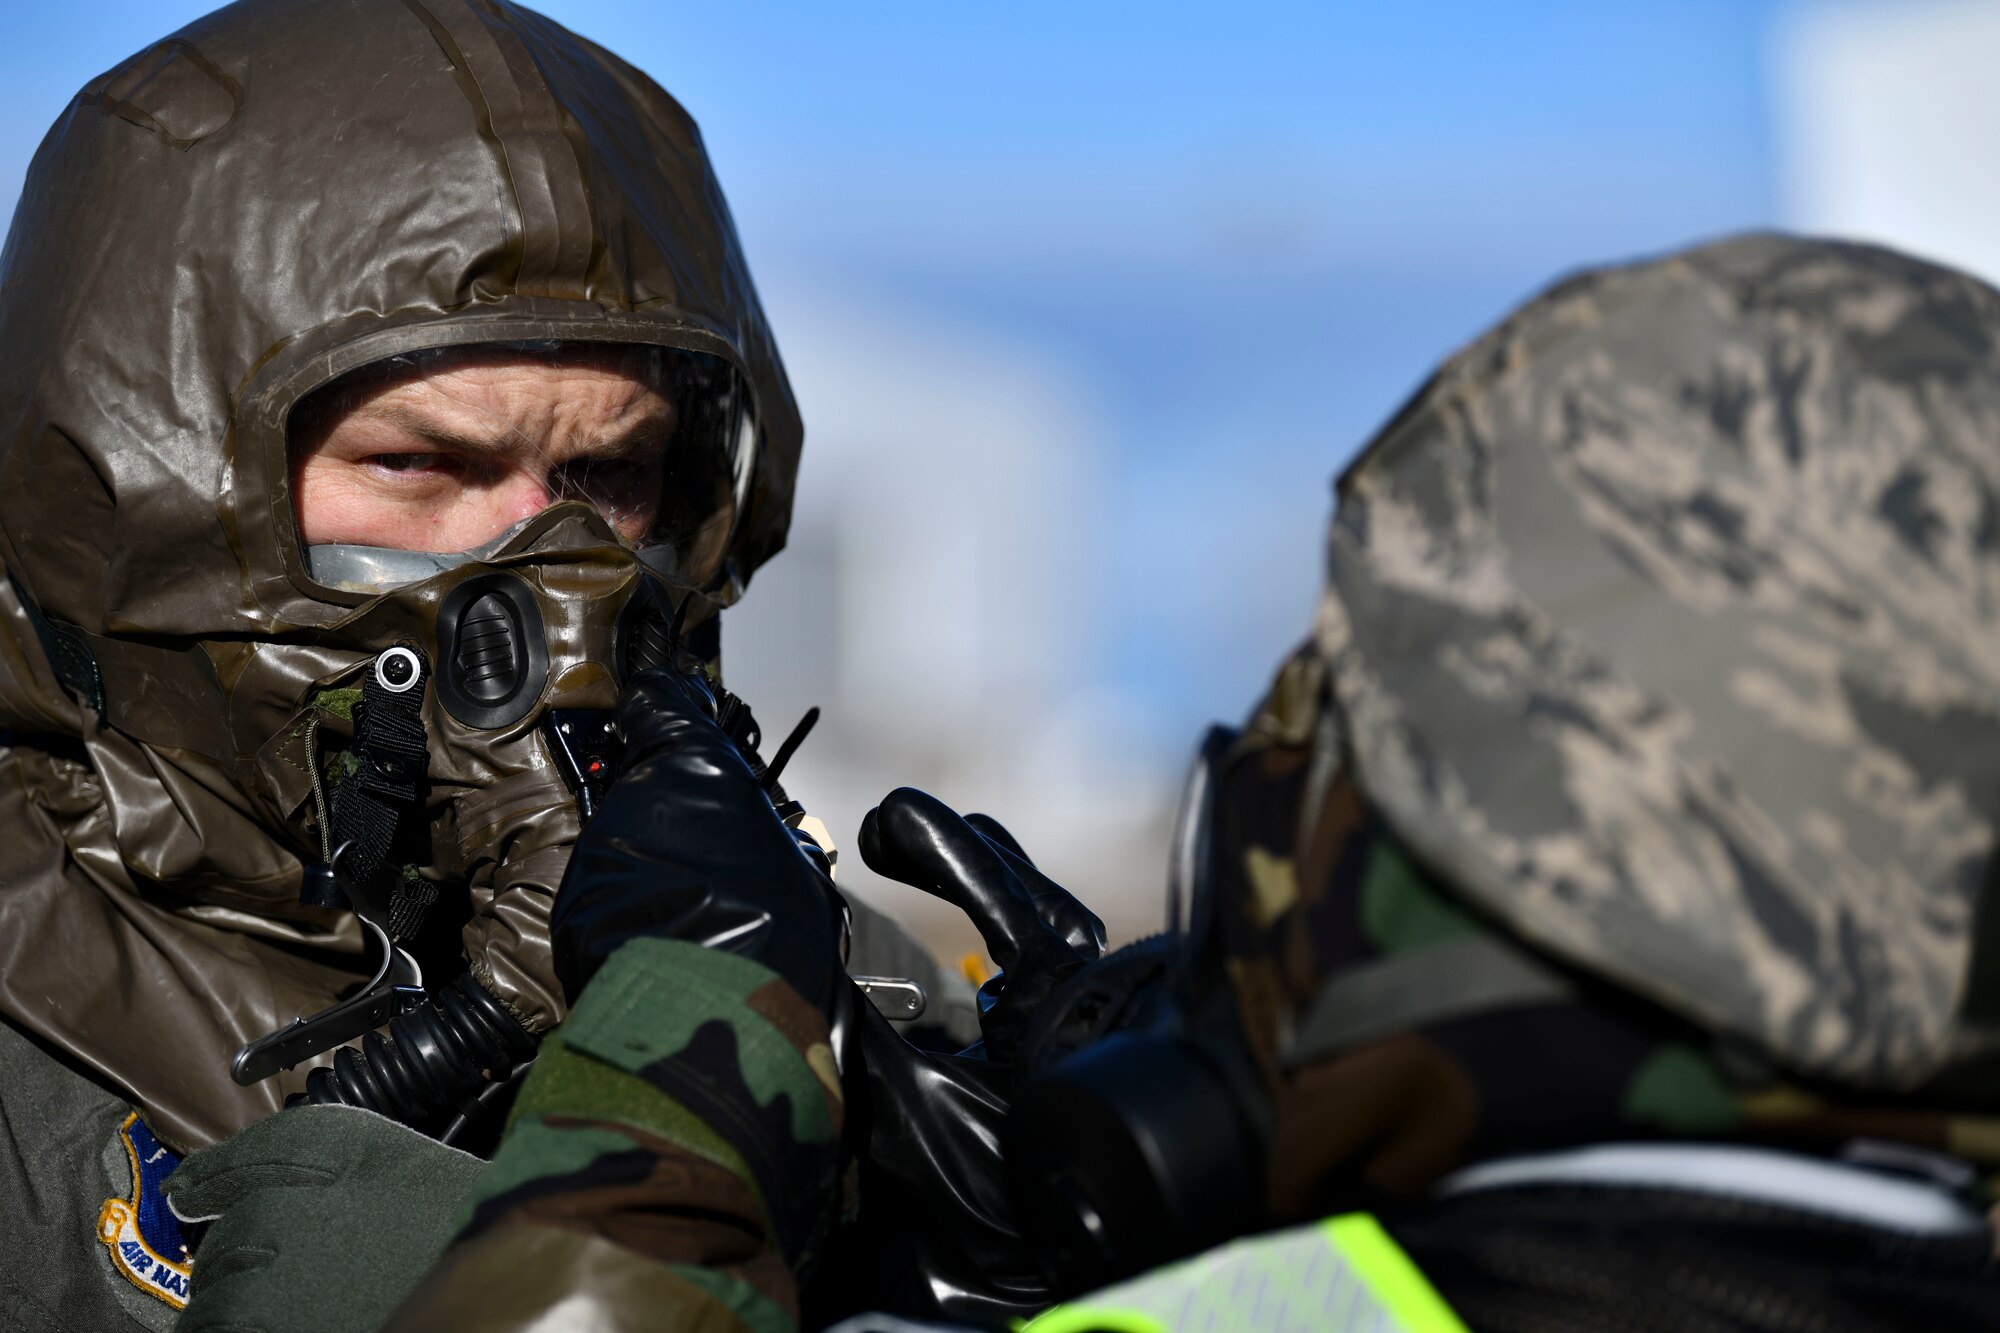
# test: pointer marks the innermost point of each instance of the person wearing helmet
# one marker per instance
(1598, 904)
(1582, 933)
(384, 388)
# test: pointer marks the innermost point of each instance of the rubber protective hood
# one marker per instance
(277, 194)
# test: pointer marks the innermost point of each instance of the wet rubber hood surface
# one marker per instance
(275, 195)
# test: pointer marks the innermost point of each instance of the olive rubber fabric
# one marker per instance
(673, 1159)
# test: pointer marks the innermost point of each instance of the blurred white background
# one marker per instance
(1888, 114)
(1085, 305)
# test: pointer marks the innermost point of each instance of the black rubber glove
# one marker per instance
(1034, 929)
(688, 846)
(936, 1236)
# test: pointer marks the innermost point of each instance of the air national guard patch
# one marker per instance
(142, 1234)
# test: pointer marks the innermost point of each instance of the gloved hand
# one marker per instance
(936, 1236)
(688, 846)
(1034, 929)
(324, 1217)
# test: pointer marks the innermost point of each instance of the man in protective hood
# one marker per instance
(383, 387)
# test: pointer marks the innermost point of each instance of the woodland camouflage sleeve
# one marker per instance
(672, 1160)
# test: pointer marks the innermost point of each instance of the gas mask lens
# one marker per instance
(427, 460)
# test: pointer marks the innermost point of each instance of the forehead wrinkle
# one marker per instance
(424, 426)
(657, 421)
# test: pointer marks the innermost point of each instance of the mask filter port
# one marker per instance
(493, 658)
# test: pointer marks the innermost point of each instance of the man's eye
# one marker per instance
(418, 462)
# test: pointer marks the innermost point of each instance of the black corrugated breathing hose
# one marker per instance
(432, 1060)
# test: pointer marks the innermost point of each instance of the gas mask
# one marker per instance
(445, 768)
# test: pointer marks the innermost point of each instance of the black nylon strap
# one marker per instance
(410, 902)
(370, 802)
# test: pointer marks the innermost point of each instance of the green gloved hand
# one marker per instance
(320, 1218)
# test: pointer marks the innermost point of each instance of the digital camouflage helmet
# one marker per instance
(1663, 625)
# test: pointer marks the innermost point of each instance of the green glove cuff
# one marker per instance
(323, 1218)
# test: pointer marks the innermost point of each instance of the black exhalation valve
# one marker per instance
(493, 657)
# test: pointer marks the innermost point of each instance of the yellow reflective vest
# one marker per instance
(1341, 1275)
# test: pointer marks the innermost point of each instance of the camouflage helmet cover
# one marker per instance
(1664, 624)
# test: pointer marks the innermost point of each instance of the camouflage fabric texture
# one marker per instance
(672, 1162)
(1663, 625)
(1313, 888)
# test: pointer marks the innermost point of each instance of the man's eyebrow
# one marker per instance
(420, 424)
(655, 428)
(650, 429)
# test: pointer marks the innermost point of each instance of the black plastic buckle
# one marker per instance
(586, 746)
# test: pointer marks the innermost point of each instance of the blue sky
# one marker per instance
(1250, 229)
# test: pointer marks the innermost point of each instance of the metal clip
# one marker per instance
(396, 987)
(897, 998)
